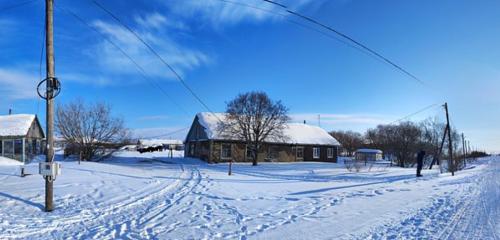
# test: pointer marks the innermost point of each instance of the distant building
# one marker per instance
(302, 142)
(164, 143)
(21, 137)
(365, 154)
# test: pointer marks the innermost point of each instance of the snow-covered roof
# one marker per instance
(366, 150)
(294, 133)
(158, 142)
(15, 124)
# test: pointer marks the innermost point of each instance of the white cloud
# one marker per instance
(152, 28)
(16, 84)
(356, 122)
(218, 12)
(157, 21)
(154, 118)
(177, 132)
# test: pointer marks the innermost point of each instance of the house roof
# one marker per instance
(366, 150)
(295, 133)
(16, 124)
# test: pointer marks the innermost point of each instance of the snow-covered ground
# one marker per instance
(150, 196)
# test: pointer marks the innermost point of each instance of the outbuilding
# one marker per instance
(301, 142)
(21, 137)
(367, 155)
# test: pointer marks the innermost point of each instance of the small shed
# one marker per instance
(365, 154)
(21, 137)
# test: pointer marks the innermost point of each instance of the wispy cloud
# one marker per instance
(220, 13)
(17, 84)
(342, 118)
(356, 122)
(154, 118)
(153, 28)
(157, 21)
(159, 132)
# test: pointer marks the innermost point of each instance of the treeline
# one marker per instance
(400, 142)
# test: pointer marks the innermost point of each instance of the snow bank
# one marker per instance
(9, 162)
(16, 124)
(295, 133)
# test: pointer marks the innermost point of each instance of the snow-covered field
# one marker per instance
(150, 196)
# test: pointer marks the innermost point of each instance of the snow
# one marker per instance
(159, 142)
(15, 124)
(9, 162)
(151, 196)
(294, 133)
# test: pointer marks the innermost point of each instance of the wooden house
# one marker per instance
(21, 137)
(301, 142)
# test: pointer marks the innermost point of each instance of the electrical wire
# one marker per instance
(286, 18)
(40, 65)
(415, 113)
(140, 69)
(152, 50)
(170, 133)
(345, 36)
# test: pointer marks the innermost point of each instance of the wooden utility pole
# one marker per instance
(49, 19)
(450, 146)
(464, 150)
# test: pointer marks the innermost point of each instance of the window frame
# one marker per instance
(222, 151)
(297, 153)
(329, 152)
(318, 151)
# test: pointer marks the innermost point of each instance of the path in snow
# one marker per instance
(152, 197)
(470, 212)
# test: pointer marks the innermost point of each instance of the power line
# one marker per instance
(350, 39)
(285, 17)
(170, 133)
(157, 55)
(12, 6)
(40, 65)
(415, 113)
(141, 70)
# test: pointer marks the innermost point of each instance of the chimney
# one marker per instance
(10, 111)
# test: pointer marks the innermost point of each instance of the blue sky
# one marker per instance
(222, 49)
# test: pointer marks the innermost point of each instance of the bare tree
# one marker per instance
(254, 118)
(401, 140)
(350, 141)
(89, 128)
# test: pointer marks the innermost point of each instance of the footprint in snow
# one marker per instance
(262, 227)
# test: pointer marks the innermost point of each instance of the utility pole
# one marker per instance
(450, 146)
(51, 82)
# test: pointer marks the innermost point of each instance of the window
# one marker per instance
(316, 152)
(329, 152)
(299, 152)
(226, 151)
(249, 152)
(191, 149)
(272, 153)
(8, 148)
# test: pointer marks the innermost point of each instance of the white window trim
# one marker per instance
(318, 151)
(329, 152)
(296, 152)
(231, 151)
